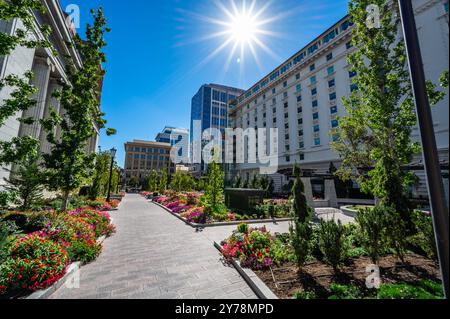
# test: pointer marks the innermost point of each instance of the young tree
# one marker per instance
(153, 181)
(26, 182)
(214, 186)
(375, 137)
(300, 229)
(101, 175)
(163, 182)
(68, 164)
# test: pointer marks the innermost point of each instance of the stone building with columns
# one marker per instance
(48, 69)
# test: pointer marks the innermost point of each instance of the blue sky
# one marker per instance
(158, 56)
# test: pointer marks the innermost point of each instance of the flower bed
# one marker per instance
(273, 260)
(189, 207)
(36, 259)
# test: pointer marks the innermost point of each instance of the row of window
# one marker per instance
(148, 150)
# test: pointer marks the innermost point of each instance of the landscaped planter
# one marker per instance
(216, 224)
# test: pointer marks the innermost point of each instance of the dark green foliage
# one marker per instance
(345, 292)
(26, 182)
(301, 210)
(424, 237)
(305, 295)
(396, 232)
(333, 243)
(372, 225)
(7, 230)
(214, 187)
(423, 290)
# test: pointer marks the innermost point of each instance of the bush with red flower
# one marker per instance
(252, 248)
(100, 221)
(35, 262)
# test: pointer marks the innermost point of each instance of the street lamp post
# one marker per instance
(113, 155)
(430, 153)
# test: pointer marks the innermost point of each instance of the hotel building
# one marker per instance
(49, 72)
(176, 136)
(303, 96)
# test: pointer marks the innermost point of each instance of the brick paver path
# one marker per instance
(155, 255)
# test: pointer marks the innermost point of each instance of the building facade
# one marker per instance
(143, 157)
(178, 137)
(210, 109)
(48, 69)
(303, 96)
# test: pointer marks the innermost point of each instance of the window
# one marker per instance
(286, 137)
(334, 123)
(286, 105)
(285, 84)
(312, 67)
(333, 110)
(286, 126)
(299, 110)
(288, 148)
(264, 97)
(317, 141)
(315, 103)
(286, 115)
(329, 56)
(349, 45)
(297, 76)
(313, 80)
(288, 158)
(315, 116)
(335, 137)
(300, 133)
(302, 156)
(298, 88)
(332, 96)
(316, 128)
(274, 110)
(274, 91)
(285, 95)
(302, 145)
(274, 101)
(330, 70)
(353, 87)
(300, 121)
(264, 115)
(351, 74)
(299, 98)
(314, 91)
(332, 83)
(274, 120)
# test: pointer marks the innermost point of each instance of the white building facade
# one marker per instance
(48, 69)
(303, 96)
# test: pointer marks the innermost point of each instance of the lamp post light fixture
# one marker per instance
(113, 155)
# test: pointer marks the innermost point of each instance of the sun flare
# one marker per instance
(243, 28)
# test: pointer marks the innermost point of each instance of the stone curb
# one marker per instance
(219, 224)
(255, 283)
(44, 294)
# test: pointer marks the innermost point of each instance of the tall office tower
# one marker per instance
(210, 109)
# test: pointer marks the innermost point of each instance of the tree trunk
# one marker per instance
(65, 200)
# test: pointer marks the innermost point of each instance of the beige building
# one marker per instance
(49, 72)
(142, 157)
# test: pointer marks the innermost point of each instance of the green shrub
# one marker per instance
(345, 292)
(301, 241)
(423, 290)
(372, 226)
(281, 252)
(424, 239)
(7, 232)
(305, 295)
(243, 228)
(396, 232)
(333, 243)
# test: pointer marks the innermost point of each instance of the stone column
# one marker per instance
(308, 191)
(330, 193)
(42, 68)
(51, 103)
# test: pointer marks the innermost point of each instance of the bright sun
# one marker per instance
(243, 28)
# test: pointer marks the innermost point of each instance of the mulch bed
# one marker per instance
(317, 276)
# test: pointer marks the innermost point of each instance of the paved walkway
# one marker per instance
(155, 255)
